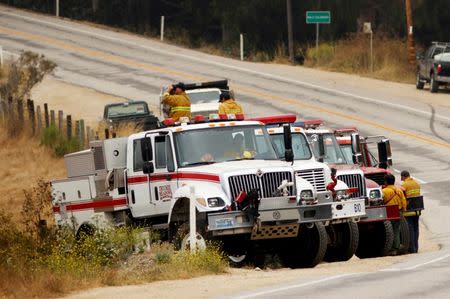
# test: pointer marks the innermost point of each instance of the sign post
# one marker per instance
(318, 17)
(368, 30)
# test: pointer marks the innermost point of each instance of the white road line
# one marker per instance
(301, 285)
(418, 265)
(224, 65)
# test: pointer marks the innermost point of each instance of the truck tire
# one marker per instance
(434, 85)
(308, 249)
(404, 236)
(419, 83)
(375, 239)
(344, 242)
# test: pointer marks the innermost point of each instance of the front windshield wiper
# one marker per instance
(199, 163)
(240, 159)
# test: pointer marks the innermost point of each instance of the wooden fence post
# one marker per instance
(39, 119)
(69, 127)
(52, 117)
(106, 133)
(20, 116)
(60, 120)
(88, 134)
(47, 123)
(82, 133)
(31, 116)
(77, 130)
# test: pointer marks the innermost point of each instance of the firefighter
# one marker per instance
(411, 188)
(394, 196)
(178, 101)
(228, 105)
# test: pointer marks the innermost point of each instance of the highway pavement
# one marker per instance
(416, 121)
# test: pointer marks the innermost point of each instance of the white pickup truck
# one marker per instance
(244, 195)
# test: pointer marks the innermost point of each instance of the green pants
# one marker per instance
(396, 229)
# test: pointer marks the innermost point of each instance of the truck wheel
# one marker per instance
(237, 249)
(308, 249)
(434, 85)
(375, 239)
(404, 236)
(419, 83)
(344, 242)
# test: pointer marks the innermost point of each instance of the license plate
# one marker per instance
(224, 223)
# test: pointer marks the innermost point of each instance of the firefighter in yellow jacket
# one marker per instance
(394, 196)
(176, 98)
(412, 189)
(228, 105)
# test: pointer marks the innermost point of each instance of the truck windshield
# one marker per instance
(127, 109)
(300, 146)
(211, 96)
(333, 153)
(221, 144)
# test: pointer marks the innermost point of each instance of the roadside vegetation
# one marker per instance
(40, 260)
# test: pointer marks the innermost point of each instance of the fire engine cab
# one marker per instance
(244, 195)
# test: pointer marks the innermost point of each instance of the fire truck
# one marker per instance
(244, 196)
(342, 229)
(375, 167)
(376, 234)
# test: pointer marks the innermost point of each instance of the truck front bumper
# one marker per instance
(443, 79)
(273, 212)
(380, 213)
(348, 210)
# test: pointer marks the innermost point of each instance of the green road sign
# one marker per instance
(318, 17)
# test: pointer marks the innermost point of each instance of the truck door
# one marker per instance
(163, 182)
(138, 184)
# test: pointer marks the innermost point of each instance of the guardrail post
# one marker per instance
(162, 28)
(241, 43)
(192, 220)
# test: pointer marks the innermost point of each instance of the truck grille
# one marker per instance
(376, 177)
(266, 185)
(315, 176)
(354, 181)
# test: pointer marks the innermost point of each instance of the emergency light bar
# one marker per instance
(308, 124)
(198, 119)
(342, 131)
(276, 119)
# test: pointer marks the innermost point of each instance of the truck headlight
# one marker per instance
(306, 195)
(214, 202)
(374, 194)
(341, 194)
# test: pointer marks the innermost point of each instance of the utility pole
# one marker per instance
(290, 31)
(409, 32)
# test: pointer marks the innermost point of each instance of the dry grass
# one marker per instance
(352, 56)
(24, 160)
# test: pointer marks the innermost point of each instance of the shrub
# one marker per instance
(53, 138)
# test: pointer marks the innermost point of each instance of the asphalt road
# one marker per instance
(417, 122)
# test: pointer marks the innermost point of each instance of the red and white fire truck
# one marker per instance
(342, 229)
(244, 195)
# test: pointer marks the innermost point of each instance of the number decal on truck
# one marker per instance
(357, 207)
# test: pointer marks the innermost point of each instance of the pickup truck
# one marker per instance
(136, 112)
(434, 66)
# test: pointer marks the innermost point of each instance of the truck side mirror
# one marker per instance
(148, 167)
(146, 149)
(288, 152)
(356, 148)
(384, 153)
(321, 145)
